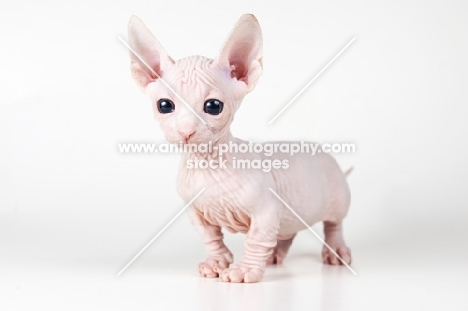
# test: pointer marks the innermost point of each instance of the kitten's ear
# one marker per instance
(142, 41)
(242, 53)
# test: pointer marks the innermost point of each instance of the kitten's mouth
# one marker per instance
(184, 141)
(192, 142)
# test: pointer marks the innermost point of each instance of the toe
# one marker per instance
(325, 257)
(345, 254)
(252, 276)
(212, 267)
(333, 260)
(330, 258)
(224, 276)
(241, 274)
(207, 271)
(236, 276)
(280, 257)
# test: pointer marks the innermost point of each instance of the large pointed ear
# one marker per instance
(151, 52)
(242, 53)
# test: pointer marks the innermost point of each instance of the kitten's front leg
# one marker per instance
(259, 245)
(218, 255)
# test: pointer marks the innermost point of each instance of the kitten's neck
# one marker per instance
(222, 164)
(212, 150)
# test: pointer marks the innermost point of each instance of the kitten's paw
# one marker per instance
(276, 258)
(239, 274)
(280, 251)
(341, 249)
(211, 267)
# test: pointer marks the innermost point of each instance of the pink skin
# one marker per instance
(236, 199)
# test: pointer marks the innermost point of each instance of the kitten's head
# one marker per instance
(195, 98)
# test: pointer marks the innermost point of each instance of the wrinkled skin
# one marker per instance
(237, 199)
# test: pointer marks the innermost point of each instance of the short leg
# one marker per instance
(280, 251)
(218, 255)
(334, 238)
(260, 242)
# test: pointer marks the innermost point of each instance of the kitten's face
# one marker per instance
(211, 93)
(195, 98)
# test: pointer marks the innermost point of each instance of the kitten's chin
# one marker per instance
(183, 142)
(191, 141)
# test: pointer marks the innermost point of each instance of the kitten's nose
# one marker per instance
(186, 134)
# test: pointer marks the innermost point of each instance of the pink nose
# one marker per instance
(186, 134)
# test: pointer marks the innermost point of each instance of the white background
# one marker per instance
(73, 211)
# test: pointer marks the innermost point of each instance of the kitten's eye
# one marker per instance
(213, 106)
(165, 105)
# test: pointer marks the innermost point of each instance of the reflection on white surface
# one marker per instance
(302, 283)
(334, 288)
(271, 294)
(230, 296)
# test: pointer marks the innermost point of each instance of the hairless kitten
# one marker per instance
(237, 199)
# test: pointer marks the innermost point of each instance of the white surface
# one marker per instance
(74, 267)
(73, 211)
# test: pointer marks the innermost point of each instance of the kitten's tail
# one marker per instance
(348, 171)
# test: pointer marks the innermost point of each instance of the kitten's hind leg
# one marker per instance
(334, 238)
(280, 251)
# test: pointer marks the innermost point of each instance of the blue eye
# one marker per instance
(165, 105)
(213, 106)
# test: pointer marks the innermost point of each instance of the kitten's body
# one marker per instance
(237, 199)
(236, 190)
